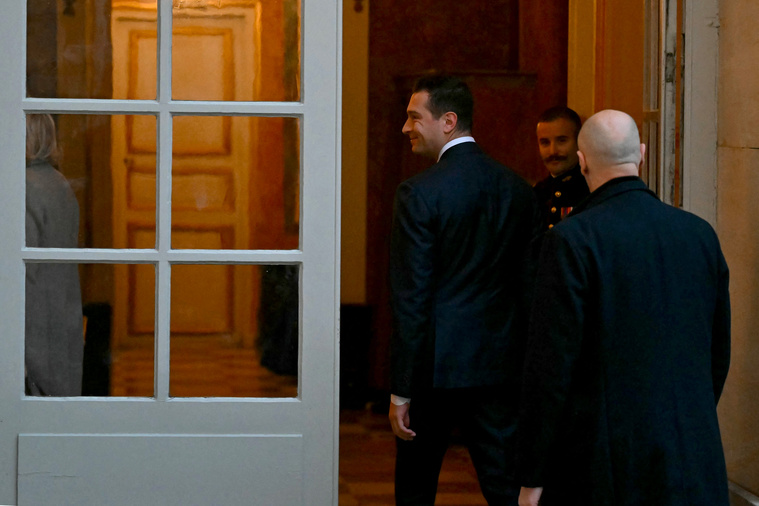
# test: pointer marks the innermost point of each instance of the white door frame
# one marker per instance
(283, 451)
(700, 83)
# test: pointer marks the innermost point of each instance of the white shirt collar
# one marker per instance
(454, 142)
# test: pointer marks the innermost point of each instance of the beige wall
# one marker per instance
(738, 181)
(355, 109)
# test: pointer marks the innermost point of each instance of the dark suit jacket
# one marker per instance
(459, 237)
(629, 349)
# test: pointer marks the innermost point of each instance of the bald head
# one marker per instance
(610, 147)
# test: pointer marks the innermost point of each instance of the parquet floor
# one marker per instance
(199, 371)
(367, 445)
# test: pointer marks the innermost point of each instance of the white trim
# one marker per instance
(739, 496)
(173, 256)
(700, 87)
(84, 106)
(337, 184)
(668, 36)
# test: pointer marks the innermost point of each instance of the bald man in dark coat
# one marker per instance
(629, 344)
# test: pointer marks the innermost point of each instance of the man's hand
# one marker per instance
(530, 496)
(399, 421)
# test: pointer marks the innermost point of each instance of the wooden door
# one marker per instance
(213, 158)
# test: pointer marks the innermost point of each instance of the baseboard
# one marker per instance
(741, 497)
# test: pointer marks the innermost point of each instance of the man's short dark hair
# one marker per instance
(448, 94)
(560, 112)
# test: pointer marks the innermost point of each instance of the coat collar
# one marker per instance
(611, 189)
(461, 149)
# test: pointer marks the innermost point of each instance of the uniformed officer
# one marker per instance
(565, 186)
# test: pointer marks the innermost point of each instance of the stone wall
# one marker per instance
(738, 179)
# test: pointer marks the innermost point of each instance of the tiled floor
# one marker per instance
(367, 455)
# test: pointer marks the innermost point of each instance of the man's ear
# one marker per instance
(451, 120)
(642, 158)
(583, 163)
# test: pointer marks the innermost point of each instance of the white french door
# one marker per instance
(200, 139)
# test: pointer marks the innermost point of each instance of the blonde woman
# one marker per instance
(54, 340)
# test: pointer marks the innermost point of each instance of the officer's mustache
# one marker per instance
(555, 158)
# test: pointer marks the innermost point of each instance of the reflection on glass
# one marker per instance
(54, 345)
(109, 163)
(235, 182)
(234, 331)
(222, 49)
(53, 357)
(86, 334)
(92, 49)
(52, 211)
(236, 50)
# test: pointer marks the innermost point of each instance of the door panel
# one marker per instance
(265, 182)
(138, 465)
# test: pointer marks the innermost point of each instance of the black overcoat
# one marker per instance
(628, 351)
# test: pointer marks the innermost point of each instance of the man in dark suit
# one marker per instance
(629, 344)
(460, 233)
(564, 187)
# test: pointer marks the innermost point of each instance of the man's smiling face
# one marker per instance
(425, 132)
(557, 141)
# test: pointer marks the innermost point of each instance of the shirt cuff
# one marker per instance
(398, 400)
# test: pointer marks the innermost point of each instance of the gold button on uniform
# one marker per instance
(553, 209)
(558, 194)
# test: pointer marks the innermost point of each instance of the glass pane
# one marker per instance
(235, 183)
(78, 49)
(236, 50)
(106, 175)
(234, 331)
(89, 329)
